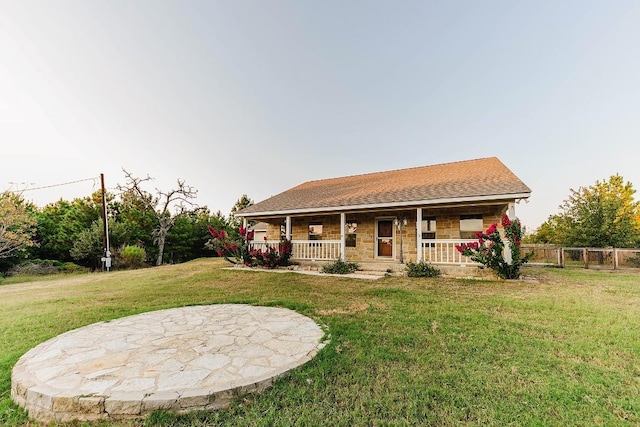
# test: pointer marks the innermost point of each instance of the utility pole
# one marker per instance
(106, 259)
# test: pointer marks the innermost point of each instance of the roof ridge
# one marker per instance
(398, 170)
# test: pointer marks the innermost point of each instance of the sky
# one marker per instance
(256, 97)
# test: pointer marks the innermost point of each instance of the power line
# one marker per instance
(61, 184)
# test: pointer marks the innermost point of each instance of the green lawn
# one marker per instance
(562, 351)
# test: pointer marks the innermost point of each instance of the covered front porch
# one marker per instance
(384, 237)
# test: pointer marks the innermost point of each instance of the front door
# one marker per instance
(384, 238)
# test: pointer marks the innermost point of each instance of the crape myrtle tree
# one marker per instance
(166, 206)
(602, 215)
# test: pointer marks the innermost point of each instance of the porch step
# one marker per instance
(382, 268)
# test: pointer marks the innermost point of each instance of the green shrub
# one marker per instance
(634, 261)
(340, 267)
(71, 267)
(422, 269)
(132, 257)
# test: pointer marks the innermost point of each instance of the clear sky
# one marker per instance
(258, 96)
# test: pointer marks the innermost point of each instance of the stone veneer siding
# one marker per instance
(447, 227)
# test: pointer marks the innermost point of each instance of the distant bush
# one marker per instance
(72, 267)
(340, 267)
(131, 257)
(37, 267)
(422, 269)
(634, 261)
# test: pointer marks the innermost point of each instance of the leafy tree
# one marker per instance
(551, 231)
(166, 207)
(601, 215)
(138, 221)
(87, 249)
(243, 202)
(219, 222)
(17, 225)
(186, 239)
(60, 223)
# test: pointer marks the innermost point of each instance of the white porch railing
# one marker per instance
(443, 251)
(316, 250)
(264, 244)
(436, 251)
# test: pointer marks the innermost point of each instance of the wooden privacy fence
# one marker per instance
(596, 258)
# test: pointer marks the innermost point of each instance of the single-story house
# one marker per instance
(390, 217)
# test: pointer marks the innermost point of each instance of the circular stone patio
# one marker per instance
(181, 359)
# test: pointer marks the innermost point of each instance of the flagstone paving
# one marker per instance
(181, 359)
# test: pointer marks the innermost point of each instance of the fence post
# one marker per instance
(615, 258)
(586, 258)
(560, 250)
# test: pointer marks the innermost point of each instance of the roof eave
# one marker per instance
(484, 198)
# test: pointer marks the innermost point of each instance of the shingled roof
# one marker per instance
(465, 181)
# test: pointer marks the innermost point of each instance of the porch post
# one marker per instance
(287, 228)
(343, 237)
(418, 234)
(244, 223)
(511, 213)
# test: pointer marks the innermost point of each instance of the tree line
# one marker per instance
(601, 215)
(169, 227)
(145, 228)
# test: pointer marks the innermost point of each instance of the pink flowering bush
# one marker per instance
(235, 250)
(489, 248)
(272, 258)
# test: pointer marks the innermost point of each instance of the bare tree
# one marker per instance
(17, 225)
(161, 204)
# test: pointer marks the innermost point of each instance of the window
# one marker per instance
(315, 231)
(428, 227)
(350, 233)
(470, 225)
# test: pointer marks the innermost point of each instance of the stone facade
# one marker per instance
(447, 227)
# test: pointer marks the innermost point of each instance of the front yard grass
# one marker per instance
(403, 351)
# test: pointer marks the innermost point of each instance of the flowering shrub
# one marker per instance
(236, 251)
(270, 257)
(488, 250)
